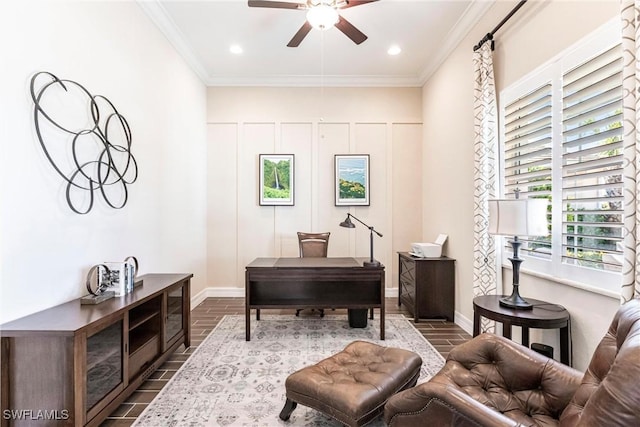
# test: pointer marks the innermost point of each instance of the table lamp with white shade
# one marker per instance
(517, 217)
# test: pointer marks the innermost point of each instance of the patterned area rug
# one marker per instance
(228, 381)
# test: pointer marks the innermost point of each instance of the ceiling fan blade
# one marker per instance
(300, 35)
(276, 4)
(353, 3)
(350, 31)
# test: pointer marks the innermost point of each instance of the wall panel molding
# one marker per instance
(382, 123)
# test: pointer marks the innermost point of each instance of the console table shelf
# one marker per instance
(81, 361)
(139, 340)
(141, 319)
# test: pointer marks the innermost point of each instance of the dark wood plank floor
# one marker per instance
(442, 334)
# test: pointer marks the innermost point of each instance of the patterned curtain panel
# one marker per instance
(485, 146)
(630, 11)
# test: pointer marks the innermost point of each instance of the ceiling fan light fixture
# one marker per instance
(322, 17)
(236, 49)
(394, 50)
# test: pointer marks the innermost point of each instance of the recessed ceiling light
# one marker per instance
(394, 50)
(237, 49)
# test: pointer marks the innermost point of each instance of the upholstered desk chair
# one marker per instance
(492, 381)
(313, 245)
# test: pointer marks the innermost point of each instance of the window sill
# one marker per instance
(573, 284)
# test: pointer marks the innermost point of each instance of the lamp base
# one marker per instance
(515, 301)
(373, 263)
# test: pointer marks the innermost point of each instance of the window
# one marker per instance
(561, 139)
(527, 153)
(592, 162)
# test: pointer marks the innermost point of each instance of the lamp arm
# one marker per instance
(373, 230)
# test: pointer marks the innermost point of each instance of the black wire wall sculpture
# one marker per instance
(91, 161)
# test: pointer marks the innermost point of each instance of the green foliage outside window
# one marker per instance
(585, 245)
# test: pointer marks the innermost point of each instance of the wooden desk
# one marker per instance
(313, 283)
(544, 315)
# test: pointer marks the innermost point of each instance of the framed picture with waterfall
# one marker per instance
(352, 179)
(276, 179)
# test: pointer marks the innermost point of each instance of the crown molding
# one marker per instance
(467, 21)
(157, 13)
(159, 16)
(316, 81)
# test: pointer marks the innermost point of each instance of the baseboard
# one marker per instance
(226, 292)
(391, 292)
(464, 322)
(232, 292)
(198, 298)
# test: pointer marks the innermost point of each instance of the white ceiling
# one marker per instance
(203, 31)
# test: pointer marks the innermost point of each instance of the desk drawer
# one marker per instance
(338, 294)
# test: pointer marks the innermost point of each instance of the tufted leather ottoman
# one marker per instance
(353, 385)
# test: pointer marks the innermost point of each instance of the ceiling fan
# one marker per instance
(321, 14)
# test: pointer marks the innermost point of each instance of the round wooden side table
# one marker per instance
(544, 315)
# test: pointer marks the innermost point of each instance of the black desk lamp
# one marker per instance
(348, 224)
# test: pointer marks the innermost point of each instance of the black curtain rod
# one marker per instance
(489, 36)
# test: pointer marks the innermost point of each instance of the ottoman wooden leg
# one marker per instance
(289, 406)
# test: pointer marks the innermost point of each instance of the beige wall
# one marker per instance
(314, 124)
(46, 250)
(539, 31)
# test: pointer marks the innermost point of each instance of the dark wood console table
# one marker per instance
(544, 315)
(79, 362)
(313, 283)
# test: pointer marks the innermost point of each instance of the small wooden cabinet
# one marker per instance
(426, 286)
(73, 364)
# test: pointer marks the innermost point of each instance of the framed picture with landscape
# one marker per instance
(276, 179)
(352, 179)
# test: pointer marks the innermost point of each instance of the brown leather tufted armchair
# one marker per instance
(491, 381)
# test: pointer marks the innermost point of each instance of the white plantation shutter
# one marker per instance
(528, 152)
(592, 162)
(561, 139)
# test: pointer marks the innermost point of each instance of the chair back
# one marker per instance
(313, 244)
(609, 394)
